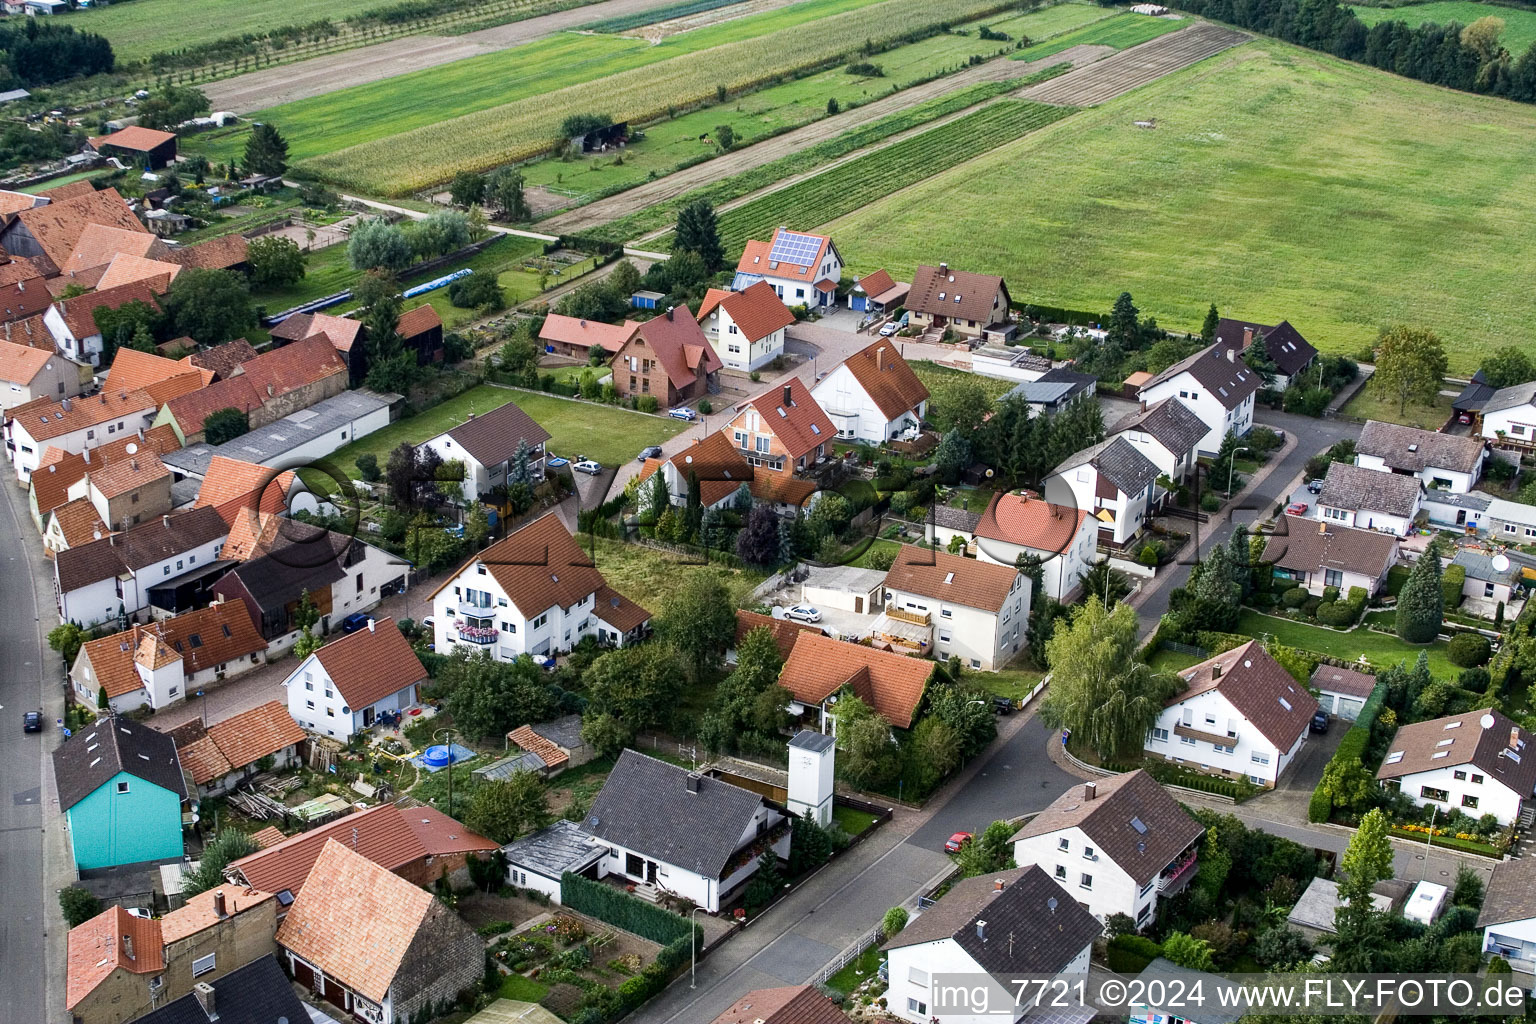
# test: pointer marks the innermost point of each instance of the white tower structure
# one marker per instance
(811, 756)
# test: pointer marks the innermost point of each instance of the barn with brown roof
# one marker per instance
(1241, 716)
(143, 147)
(52, 231)
(220, 756)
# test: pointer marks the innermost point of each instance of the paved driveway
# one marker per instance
(1288, 800)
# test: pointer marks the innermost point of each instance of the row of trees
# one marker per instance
(501, 189)
(1021, 447)
(1469, 58)
(37, 51)
(376, 244)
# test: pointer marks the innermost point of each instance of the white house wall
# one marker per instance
(914, 968)
(1063, 570)
(1367, 519)
(318, 706)
(1110, 890)
(1211, 712)
(1492, 795)
(1454, 481)
(854, 413)
(28, 451)
(981, 639)
(1207, 406)
(1517, 423)
(99, 602)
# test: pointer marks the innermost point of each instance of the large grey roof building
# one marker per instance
(276, 443)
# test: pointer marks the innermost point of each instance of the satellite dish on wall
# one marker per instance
(1486, 721)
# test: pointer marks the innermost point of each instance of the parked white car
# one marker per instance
(682, 412)
(803, 613)
(889, 329)
(588, 466)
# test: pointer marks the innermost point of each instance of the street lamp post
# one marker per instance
(1231, 466)
(693, 946)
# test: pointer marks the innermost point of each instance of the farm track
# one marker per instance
(737, 161)
(1117, 75)
(320, 75)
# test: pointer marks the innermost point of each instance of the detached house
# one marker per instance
(721, 469)
(1112, 481)
(977, 611)
(1292, 354)
(819, 668)
(157, 665)
(1064, 537)
(1168, 433)
(343, 687)
(1118, 844)
(745, 327)
(534, 592)
(72, 322)
(1509, 417)
(1317, 554)
(28, 373)
(1242, 716)
(873, 396)
(783, 429)
(1371, 500)
(1508, 917)
(675, 831)
(121, 575)
(668, 357)
(801, 268)
(120, 787)
(1446, 462)
(1216, 385)
(972, 305)
(488, 444)
(1477, 763)
(374, 945)
(1010, 923)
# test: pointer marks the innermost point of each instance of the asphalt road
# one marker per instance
(22, 659)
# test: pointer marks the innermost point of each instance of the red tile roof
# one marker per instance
(79, 312)
(955, 294)
(162, 391)
(19, 364)
(417, 321)
(1256, 685)
(59, 468)
(268, 837)
(252, 735)
(199, 911)
(877, 283)
(59, 193)
(679, 345)
(585, 333)
(524, 738)
(102, 945)
(754, 260)
(126, 268)
(278, 371)
(15, 202)
(892, 684)
(31, 332)
(617, 610)
(887, 379)
(223, 359)
(793, 1004)
(23, 299)
(952, 578)
(79, 522)
(341, 330)
(99, 244)
(25, 269)
(389, 836)
(215, 254)
(202, 639)
(239, 485)
(44, 418)
(134, 137)
(798, 422)
(191, 409)
(372, 663)
(785, 631)
(58, 226)
(134, 369)
(1030, 521)
(124, 475)
(756, 311)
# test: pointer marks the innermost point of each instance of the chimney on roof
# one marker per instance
(997, 885)
(669, 311)
(1322, 528)
(219, 908)
(981, 930)
(1090, 790)
(86, 453)
(691, 783)
(134, 464)
(166, 519)
(1247, 336)
(1216, 671)
(786, 394)
(583, 323)
(270, 391)
(141, 433)
(943, 268)
(204, 993)
(1231, 355)
(128, 946)
(471, 416)
(67, 405)
(880, 358)
(372, 626)
(1514, 737)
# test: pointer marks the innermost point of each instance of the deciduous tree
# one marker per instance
(639, 686)
(698, 620)
(1410, 365)
(275, 260)
(210, 306)
(1508, 365)
(488, 697)
(504, 809)
(375, 243)
(225, 425)
(467, 189)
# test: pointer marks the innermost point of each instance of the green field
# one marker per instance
(1277, 183)
(602, 432)
(849, 186)
(398, 140)
(1121, 31)
(1381, 649)
(677, 142)
(1519, 24)
(143, 27)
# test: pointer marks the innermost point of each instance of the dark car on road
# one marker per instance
(1320, 722)
(1002, 705)
(32, 721)
(354, 622)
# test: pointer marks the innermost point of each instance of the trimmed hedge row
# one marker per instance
(621, 910)
(1351, 748)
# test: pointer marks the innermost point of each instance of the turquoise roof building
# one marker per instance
(121, 786)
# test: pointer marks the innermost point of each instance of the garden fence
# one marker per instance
(849, 954)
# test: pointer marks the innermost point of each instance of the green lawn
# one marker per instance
(1519, 23)
(1371, 404)
(671, 144)
(851, 821)
(859, 969)
(66, 179)
(602, 432)
(862, 561)
(515, 986)
(1014, 682)
(1121, 31)
(646, 575)
(143, 27)
(1372, 199)
(1172, 661)
(1380, 649)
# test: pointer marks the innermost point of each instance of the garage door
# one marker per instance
(1349, 708)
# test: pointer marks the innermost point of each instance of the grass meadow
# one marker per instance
(1120, 31)
(1277, 183)
(1519, 24)
(143, 27)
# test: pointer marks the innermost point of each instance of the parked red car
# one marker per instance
(1297, 508)
(959, 839)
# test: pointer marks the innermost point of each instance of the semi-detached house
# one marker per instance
(1168, 433)
(534, 592)
(1478, 763)
(1445, 462)
(782, 429)
(1217, 385)
(1242, 716)
(1118, 845)
(721, 469)
(1370, 500)
(978, 611)
(1114, 483)
(1292, 354)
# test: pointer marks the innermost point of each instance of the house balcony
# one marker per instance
(915, 618)
(476, 634)
(474, 611)
(1219, 739)
(1176, 876)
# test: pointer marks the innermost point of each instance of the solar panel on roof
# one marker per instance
(793, 247)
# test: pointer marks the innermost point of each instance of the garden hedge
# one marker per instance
(1295, 597)
(621, 910)
(1351, 748)
(1451, 582)
(1468, 650)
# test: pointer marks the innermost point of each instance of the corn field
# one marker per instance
(429, 155)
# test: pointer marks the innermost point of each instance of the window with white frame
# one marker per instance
(1160, 734)
(203, 964)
